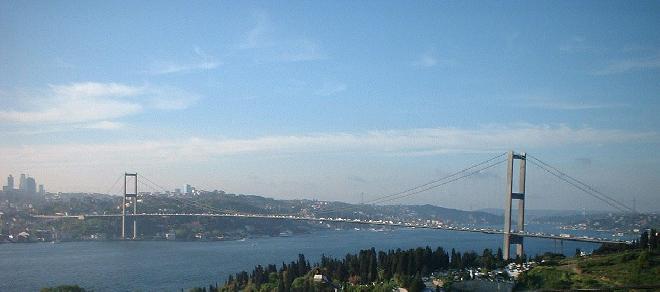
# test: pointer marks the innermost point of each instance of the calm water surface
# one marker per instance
(171, 266)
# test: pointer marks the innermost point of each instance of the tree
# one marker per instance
(373, 266)
(298, 283)
(487, 259)
(653, 240)
(302, 265)
(454, 259)
(416, 284)
(644, 240)
(280, 283)
(286, 278)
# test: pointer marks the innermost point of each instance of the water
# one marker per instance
(171, 266)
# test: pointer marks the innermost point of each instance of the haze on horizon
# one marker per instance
(331, 100)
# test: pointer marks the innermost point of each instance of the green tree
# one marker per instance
(416, 284)
(280, 283)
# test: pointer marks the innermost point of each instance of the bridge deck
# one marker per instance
(342, 220)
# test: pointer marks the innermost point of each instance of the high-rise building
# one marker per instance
(21, 183)
(187, 189)
(10, 182)
(41, 190)
(30, 185)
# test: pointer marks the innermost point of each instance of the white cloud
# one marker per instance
(201, 62)
(299, 51)
(160, 68)
(426, 60)
(331, 88)
(555, 104)
(87, 102)
(171, 98)
(624, 66)
(257, 36)
(575, 44)
(425, 141)
(95, 89)
(75, 103)
(263, 40)
(95, 162)
(105, 125)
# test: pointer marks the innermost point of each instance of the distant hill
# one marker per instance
(259, 204)
(219, 201)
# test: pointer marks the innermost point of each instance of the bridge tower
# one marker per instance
(130, 195)
(509, 237)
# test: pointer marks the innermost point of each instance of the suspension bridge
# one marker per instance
(513, 235)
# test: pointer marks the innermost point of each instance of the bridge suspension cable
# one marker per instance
(184, 202)
(114, 184)
(191, 202)
(466, 172)
(586, 188)
(447, 182)
(175, 199)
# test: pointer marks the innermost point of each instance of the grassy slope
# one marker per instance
(598, 271)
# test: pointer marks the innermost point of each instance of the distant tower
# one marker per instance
(41, 190)
(509, 237)
(10, 182)
(187, 189)
(30, 186)
(21, 182)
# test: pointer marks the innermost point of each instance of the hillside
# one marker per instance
(625, 269)
(17, 208)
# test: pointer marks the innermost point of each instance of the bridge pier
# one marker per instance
(131, 196)
(509, 237)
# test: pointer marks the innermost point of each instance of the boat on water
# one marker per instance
(285, 233)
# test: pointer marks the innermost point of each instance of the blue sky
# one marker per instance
(329, 100)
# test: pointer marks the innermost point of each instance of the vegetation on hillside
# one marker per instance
(368, 270)
(611, 266)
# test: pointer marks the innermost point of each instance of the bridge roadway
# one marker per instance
(342, 220)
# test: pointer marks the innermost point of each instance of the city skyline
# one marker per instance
(331, 100)
(26, 184)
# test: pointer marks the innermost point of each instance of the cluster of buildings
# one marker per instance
(186, 190)
(515, 269)
(26, 184)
